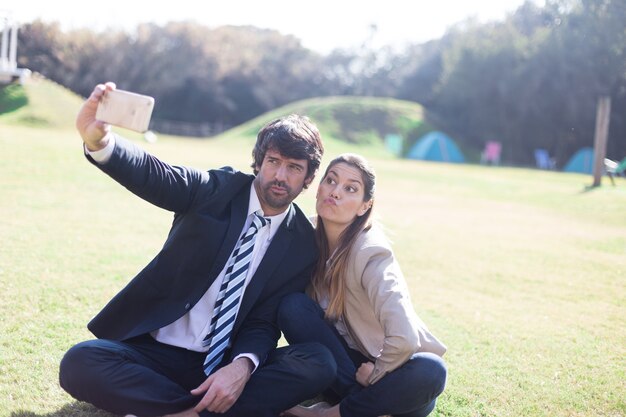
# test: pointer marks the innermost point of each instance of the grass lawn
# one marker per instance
(520, 272)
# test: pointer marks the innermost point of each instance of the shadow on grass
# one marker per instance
(589, 188)
(75, 409)
(81, 409)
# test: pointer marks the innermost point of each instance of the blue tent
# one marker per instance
(582, 162)
(436, 146)
(393, 143)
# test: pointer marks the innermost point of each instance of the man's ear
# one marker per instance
(308, 181)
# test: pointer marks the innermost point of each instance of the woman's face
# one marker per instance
(340, 195)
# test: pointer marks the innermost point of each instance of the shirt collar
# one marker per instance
(254, 205)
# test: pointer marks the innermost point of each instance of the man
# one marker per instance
(194, 333)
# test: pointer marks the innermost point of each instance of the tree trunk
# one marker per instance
(603, 115)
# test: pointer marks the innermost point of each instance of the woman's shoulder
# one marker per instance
(371, 244)
(373, 237)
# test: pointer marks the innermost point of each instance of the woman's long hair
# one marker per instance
(329, 275)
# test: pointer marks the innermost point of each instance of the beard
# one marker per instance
(281, 200)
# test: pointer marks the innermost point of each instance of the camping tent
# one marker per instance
(582, 162)
(436, 146)
(393, 143)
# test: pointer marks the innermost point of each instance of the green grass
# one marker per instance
(38, 103)
(12, 97)
(520, 272)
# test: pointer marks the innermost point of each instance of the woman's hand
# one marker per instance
(364, 372)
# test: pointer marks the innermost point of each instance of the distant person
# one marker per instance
(194, 333)
(359, 308)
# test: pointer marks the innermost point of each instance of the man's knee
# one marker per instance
(77, 368)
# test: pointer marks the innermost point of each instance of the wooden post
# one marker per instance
(603, 115)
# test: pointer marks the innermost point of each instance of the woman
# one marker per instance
(358, 307)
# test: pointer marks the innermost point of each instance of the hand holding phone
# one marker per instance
(125, 109)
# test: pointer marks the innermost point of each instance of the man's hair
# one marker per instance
(292, 136)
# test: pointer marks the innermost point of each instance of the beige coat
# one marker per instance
(379, 315)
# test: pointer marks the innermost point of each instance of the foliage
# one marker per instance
(532, 81)
(529, 81)
(225, 75)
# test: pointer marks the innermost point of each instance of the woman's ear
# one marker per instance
(366, 206)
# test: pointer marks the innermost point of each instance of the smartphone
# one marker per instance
(125, 109)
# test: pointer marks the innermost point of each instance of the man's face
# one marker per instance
(279, 181)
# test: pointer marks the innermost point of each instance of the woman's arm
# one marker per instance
(388, 295)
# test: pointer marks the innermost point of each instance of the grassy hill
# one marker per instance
(341, 120)
(355, 120)
(39, 103)
(520, 272)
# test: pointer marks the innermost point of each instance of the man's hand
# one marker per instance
(91, 130)
(224, 387)
(364, 372)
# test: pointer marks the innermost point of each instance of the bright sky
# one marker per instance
(321, 25)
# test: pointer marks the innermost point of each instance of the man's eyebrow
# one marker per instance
(300, 164)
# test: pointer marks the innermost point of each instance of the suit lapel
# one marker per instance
(238, 214)
(271, 260)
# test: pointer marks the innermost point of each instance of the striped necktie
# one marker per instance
(228, 297)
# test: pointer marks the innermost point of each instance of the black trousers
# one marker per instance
(144, 377)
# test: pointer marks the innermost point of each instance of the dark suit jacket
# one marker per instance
(210, 210)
